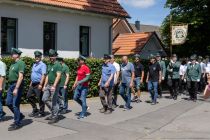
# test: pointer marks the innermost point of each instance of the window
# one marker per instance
(8, 34)
(84, 40)
(49, 37)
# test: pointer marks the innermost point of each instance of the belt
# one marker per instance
(12, 82)
(35, 84)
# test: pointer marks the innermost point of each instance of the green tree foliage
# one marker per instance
(197, 14)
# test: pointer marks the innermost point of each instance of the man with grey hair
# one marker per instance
(116, 80)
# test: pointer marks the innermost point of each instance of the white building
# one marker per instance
(70, 26)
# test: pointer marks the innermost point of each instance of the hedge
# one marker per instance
(94, 64)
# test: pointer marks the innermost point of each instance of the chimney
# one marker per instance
(137, 25)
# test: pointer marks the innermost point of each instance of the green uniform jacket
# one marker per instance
(193, 73)
(52, 69)
(65, 70)
(174, 74)
(163, 68)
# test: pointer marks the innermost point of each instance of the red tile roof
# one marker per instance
(130, 43)
(108, 7)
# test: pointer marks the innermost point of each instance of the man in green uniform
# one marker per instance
(51, 87)
(63, 86)
(14, 93)
(173, 76)
(163, 72)
(193, 75)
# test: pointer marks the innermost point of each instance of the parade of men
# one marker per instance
(106, 84)
(51, 87)
(138, 80)
(173, 76)
(15, 89)
(38, 73)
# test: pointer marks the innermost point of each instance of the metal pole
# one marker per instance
(171, 46)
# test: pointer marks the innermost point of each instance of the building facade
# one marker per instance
(31, 26)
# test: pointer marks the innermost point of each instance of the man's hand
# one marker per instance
(15, 91)
(160, 81)
(0, 89)
(163, 78)
(40, 87)
(74, 86)
(65, 87)
(131, 84)
(52, 89)
(99, 84)
(142, 81)
(106, 84)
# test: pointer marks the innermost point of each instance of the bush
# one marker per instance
(94, 64)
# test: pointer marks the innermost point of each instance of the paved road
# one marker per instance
(168, 120)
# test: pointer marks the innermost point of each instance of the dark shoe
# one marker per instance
(153, 103)
(63, 112)
(81, 116)
(2, 116)
(109, 111)
(175, 97)
(33, 114)
(14, 127)
(126, 108)
(138, 101)
(103, 110)
(40, 115)
(134, 99)
(53, 120)
(49, 118)
(22, 117)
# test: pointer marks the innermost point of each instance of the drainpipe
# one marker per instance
(110, 36)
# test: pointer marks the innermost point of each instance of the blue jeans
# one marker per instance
(80, 95)
(137, 83)
(63, 93)
(153, 89)
(13, 102)
(125, 92)
(1, 107)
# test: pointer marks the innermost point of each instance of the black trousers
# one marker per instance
(34, 95)
(192, 89)
(115, 93)
(173, 85)
(182, 85)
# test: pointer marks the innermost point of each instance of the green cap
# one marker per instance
(158, 55)
(193, 57)
(82, 58)
(200, 57)
(52, 53)
(59, 58)
(16, 51)
(152, 56)
(106, 56)
(137, 55)
(37, 53)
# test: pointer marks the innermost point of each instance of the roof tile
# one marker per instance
(130, 43)
(109, 7)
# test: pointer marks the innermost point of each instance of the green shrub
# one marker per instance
(94, 64)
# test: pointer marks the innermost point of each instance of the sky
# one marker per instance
(151, 12)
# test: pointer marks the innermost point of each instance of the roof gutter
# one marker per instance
(110, 35)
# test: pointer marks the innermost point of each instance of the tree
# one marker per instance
(197, 14)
